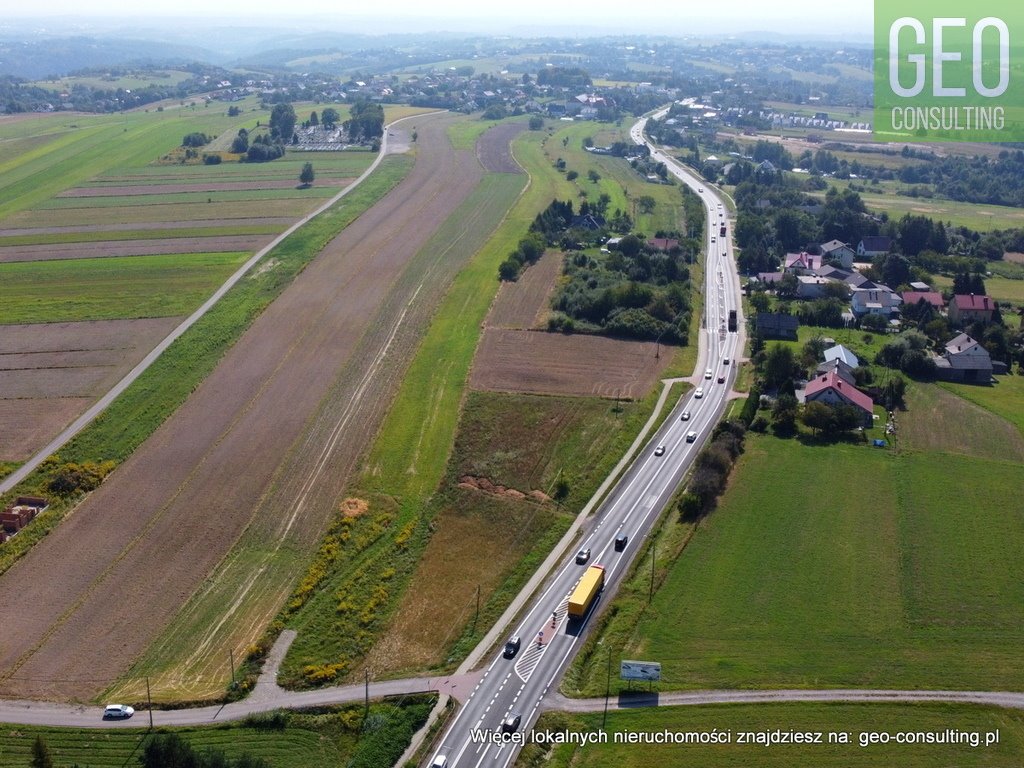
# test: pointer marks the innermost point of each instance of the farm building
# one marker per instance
(964, 359)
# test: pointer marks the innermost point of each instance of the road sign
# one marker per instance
(640, 670)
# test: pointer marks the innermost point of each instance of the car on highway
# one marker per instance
(691, 437)
(721, 379)
(439, 761)
(701, 190)
(512, 646)
(117, 712)
(698, 393)
(685, 416)
(621, 541)
(725, 361)
(708, 374)
(659, 451)
(583, 556)
(511, 723)
(712, 238)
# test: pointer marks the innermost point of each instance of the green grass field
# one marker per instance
(842, 565)
(1005, 398)
(108, 288)
(1001, 289)
(853, 720)
(162, 78)
(334, 737)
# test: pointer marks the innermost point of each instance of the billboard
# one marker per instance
(640, 670)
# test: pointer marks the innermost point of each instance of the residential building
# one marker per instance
(773, 325)
(934, 298)
(802, 263)
(841, 369)
(837, 250)
(839, 352)
(869, 247)
(810, 286)
(964, 359)
(831, 389)
(965, 310)
(878, 300)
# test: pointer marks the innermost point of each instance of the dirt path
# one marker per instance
(94, 594)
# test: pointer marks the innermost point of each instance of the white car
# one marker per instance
(691, 437)
(117, 712)
(699, 393)
(685, 416)
(707, 374)
(659, 451)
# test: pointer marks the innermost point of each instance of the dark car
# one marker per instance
(621, 541)
(511, 723)
(721, 379)
(512, 647)
(582, 556)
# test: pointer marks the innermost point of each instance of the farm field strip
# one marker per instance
(110, 288)
(171, 187)
(123, 201)
(173, 489)
(314, 476)
(193, 243)
(194, 213)
(93, 233)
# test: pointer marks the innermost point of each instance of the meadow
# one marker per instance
(333, 736)
(850, 719)
(883, 575)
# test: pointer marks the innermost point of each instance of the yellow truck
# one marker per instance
(590, 587)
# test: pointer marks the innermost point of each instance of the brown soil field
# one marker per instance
(525, 303)
(50, 372)
(110, 190)
(276, 221)
(495, 151)
(30, 423)
(560, 364)
(109, 248)
(88, 599)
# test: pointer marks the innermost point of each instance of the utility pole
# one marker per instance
(650, 595)
(476, 616)
(607, 688)
(149, 699)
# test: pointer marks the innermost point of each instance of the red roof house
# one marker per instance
(829, 388)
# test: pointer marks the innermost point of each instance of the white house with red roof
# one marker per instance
(802, 262)
(830, 389)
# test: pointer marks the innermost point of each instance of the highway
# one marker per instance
(518, 685)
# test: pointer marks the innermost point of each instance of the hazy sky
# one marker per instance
(653, 16)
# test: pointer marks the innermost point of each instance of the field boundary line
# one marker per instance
(9, 482)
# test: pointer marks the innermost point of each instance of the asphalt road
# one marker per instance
(518, 686)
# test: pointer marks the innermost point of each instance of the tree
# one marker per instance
(234, 111)
(307, 175)
(819, 417)
(313, 119)
(329, 118)
(536, 123)
(778, 364)
(759, 301)
(646, 204)
(593, 175)
(41, 757)
(572, 175)
(282, 121)
(241, 143)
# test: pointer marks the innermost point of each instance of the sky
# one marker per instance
(673, 17)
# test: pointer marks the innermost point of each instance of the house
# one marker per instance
(810, 286)
(842, 370)
(834, 273)
(837, 250)
(878, 300)
(663, 243)
(964, 359)
(870, 247)
(839, 352)
(802, 262)
(970, 309)
(857, 280)
(769, 278)
(590, 221)
(934, 298)
(772, 325)
(831, 389)
(917, 285)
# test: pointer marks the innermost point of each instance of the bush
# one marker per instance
(195, 140)
(212, 159)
